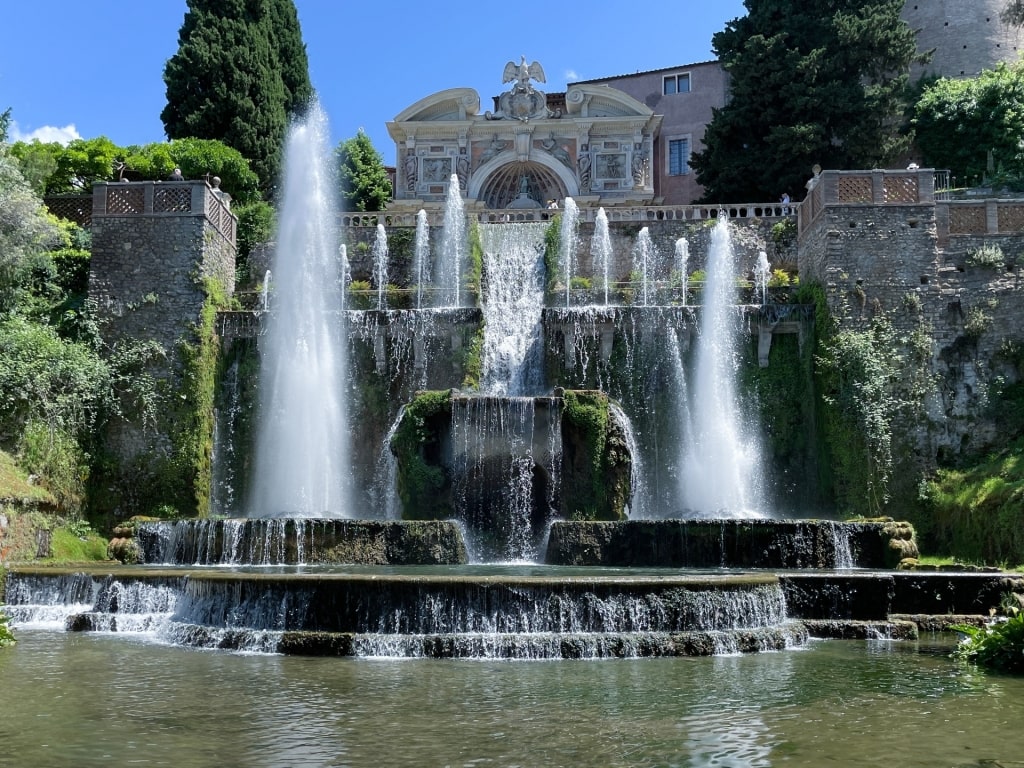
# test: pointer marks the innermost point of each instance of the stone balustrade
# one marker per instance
(587, 214)
(166, 198)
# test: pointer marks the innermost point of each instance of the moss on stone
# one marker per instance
(597, 477)
(423, 488)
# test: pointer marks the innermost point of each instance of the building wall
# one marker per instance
(686, 115)
(966, 35)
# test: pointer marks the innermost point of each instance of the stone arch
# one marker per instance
(496, 182)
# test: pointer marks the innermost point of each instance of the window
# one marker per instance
(678, 157)
(676, 84)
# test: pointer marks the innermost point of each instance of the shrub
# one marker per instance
(998, 645)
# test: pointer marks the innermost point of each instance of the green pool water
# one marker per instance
(93, 699)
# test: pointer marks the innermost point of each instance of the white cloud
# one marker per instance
(46, 134)
(571, 76)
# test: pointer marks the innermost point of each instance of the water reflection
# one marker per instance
(90, 700)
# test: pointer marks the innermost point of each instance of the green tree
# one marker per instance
(229, 81)
(25, 229)
(365, 185)
(811, 83)
(291, 53)
(959, 122)
(5, 122)
(38, 162)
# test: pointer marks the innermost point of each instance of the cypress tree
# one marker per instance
(812, 82)
(239, 70)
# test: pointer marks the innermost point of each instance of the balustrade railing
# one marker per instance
(635, 213)
(170, 198)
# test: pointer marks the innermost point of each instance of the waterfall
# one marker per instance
(421, 256)
(380, 265)
(513, 305)
(504, 471)
(448, 272)
(302, 464)
(567, 245)
(721, 461)
(265, 292)
(601, 250)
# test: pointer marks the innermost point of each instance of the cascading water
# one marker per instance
(513, 305)
(421, 256)
(721, 462)
(302, 447)
(601, 250)
(568, 240)
(380, 265)
(644, 255)
(448, 271)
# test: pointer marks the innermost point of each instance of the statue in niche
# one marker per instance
(550, 145)
(583, 168)
(412, 167)
(639, 166)
(523, 102)
(462, 170)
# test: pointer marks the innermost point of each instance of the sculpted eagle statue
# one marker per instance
(523, 72)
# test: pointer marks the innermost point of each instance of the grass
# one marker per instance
(16, 488)
(977, 512)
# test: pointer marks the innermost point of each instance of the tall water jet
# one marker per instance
(265, 292)
(448, 274)
(301, 466)
(682, 263)
(721, 464)
(601, 250)
(568, 241)
(762, 271)
(643, 257)
(421, 256)
(380, 265)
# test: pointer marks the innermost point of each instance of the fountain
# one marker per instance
(644, 255)
(682, 262)
(302, 451)
(380, 265)
(450, 263)
(721, 464)
(568, 241)
(421, 257)
(762, 271)
(601, 250)
(597, 437)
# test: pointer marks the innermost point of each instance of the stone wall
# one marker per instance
(898, 262)
(154, 245)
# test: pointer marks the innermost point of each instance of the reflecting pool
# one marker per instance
(98, 699)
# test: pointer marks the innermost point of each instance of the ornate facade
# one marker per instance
(592, 143)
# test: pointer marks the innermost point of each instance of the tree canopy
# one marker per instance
(239, 72)
(365, 185)
(811, 83)
(959, 123)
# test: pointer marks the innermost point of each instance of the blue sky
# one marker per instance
(72, 69)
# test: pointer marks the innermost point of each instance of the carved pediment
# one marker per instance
(584, 100)
(449, 105)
